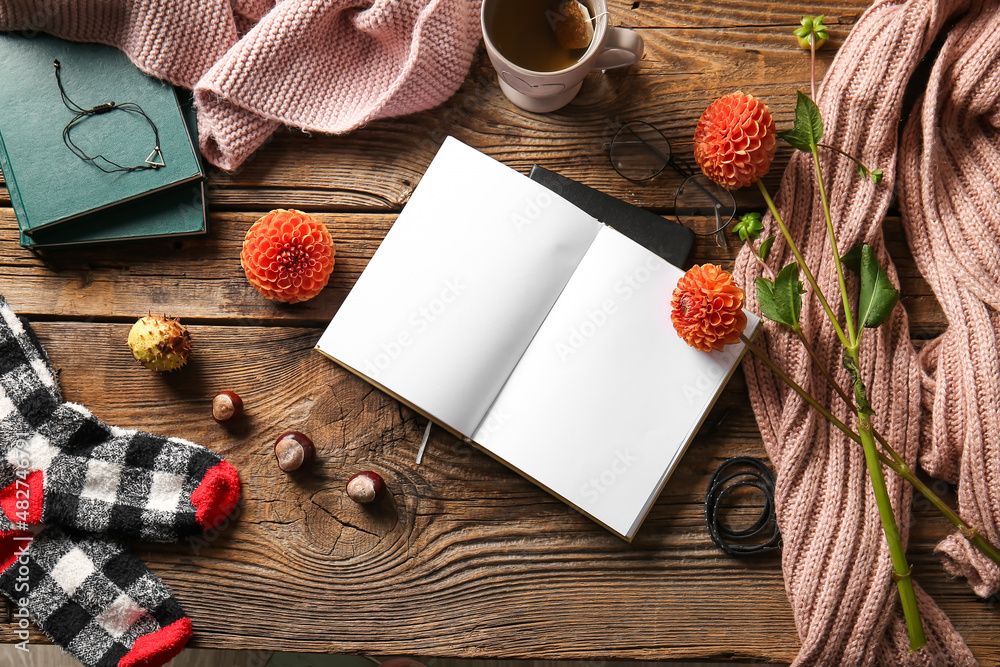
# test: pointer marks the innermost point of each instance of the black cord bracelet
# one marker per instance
(762, 535)
(155, 159)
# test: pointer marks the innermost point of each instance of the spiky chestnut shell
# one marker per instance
(160, 343)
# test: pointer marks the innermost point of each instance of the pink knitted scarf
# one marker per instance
(319, 65)
(941, 405)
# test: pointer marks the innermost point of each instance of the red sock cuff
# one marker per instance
(22, 500)
(217, 495)
(158, 648)
(12, 545)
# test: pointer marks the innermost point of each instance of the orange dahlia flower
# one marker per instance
(288, 256)
(707, 308)
(734, 142)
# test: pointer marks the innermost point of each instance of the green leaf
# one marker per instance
(807, 130)
(860, 393)
(749, 226)
(796, 142)
(781, 301)
(765, 296)
(874, 174)
(765, 248)
(877, 296)
(852, 259)
(788, 292)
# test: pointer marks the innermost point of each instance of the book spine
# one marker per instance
(15, 195)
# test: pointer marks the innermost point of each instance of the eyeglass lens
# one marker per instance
(639, 152)
(703, 205)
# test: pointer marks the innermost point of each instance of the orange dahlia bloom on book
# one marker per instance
(735, 140)
(288, 256)
(707, 308)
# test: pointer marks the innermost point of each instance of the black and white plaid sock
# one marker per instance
(59, 464)
(92, 597)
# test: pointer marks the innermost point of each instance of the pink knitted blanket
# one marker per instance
(319, 65)
(939, 406)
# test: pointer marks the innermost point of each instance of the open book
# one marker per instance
(534, 332)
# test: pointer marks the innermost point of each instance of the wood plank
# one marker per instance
(466, 559)
(201, 280)
(714, 14)
(41, 655)
(196, 279)
(696, 51)
(669, 89)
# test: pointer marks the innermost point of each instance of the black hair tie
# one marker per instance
(762, 535)
(155, 159)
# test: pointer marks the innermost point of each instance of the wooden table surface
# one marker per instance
(467, 559)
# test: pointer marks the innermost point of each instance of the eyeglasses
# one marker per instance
(639, 152)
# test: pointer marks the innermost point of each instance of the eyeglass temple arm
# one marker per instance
(680, 167)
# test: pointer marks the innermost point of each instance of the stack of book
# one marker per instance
(61, 199)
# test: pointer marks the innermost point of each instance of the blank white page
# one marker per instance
(605, 400)
(459, 286)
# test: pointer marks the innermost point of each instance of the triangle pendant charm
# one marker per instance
(155, 159)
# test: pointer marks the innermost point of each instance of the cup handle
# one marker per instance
(621, 47)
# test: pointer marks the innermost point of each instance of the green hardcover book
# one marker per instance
(48, 184)
(179, 211)
(175, 212)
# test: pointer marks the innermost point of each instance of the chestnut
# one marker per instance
(365, 487)
(293, 450)
(227, 407)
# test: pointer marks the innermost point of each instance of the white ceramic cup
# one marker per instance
(547, 91)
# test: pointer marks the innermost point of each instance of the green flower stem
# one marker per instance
(970, 533)
(854, 338)
(802, 264)
(847, 155)
(902, 573)
(822, 367)
(812, 64)
(895, 463)
(784, 377)
(840, 392)
(901, 568)
(762, 263)
(887, 447)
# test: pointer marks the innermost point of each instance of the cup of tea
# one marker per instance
(543, 49)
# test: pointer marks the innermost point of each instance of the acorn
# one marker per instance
(227, 406)
(293, 450)
(365, 487)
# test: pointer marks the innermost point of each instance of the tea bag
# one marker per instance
(574, 28)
